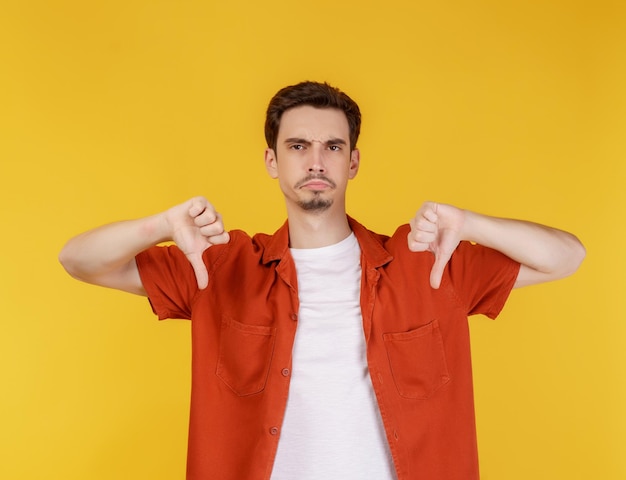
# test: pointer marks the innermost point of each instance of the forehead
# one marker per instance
(314, 123)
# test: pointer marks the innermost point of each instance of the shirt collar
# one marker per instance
(371, 244)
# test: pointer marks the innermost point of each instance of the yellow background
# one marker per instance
(118, 109)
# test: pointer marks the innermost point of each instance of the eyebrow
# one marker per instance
(303, 141)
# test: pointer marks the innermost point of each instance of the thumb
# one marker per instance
(199, 268)
(436, 273)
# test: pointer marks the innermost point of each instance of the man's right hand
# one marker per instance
(196, 226)
(106, 255)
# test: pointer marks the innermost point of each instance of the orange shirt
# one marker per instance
(243, 328)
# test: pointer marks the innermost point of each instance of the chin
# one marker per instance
(316, 205)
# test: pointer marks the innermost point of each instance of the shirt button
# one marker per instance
(274, 431)
(294, 316)
(285, 372)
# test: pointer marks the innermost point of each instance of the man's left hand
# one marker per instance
(436, 228)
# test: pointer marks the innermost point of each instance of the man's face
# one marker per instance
(312, 160)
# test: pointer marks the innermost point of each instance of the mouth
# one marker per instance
(316, 185)
(316, 182)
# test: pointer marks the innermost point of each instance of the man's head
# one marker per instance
(318, 95)
(312, 130)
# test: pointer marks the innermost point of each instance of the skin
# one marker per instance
(545, 253)
(313, 165)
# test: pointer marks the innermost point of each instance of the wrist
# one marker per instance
(156, 229)
(470, 226)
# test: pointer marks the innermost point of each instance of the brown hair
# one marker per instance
(315, 94)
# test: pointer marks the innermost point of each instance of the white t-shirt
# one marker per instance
(332, 427)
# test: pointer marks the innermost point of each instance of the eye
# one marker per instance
(297, 146)
(334, 148)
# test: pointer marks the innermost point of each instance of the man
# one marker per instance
(325, 351)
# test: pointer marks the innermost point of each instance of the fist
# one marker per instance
(196, 226)
(436, 228)
(424, 228)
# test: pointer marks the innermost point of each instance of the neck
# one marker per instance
(315, 230)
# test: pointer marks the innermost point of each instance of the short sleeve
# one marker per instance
(169, 280)
(482, 278)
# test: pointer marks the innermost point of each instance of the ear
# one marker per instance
(355, 161)
(271, 164)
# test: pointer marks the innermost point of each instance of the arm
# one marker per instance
(545, 253)
(105, 256)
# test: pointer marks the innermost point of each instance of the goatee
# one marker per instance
(316, 204)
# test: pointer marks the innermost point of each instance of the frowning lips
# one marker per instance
(316, 180)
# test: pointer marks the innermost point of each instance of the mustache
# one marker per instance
(316, 176)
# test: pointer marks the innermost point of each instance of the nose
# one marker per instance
(316, 160)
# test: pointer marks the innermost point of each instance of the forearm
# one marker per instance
(545, 253)
(105, 255)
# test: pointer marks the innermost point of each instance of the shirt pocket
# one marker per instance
(245, 355)
(417, 360)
